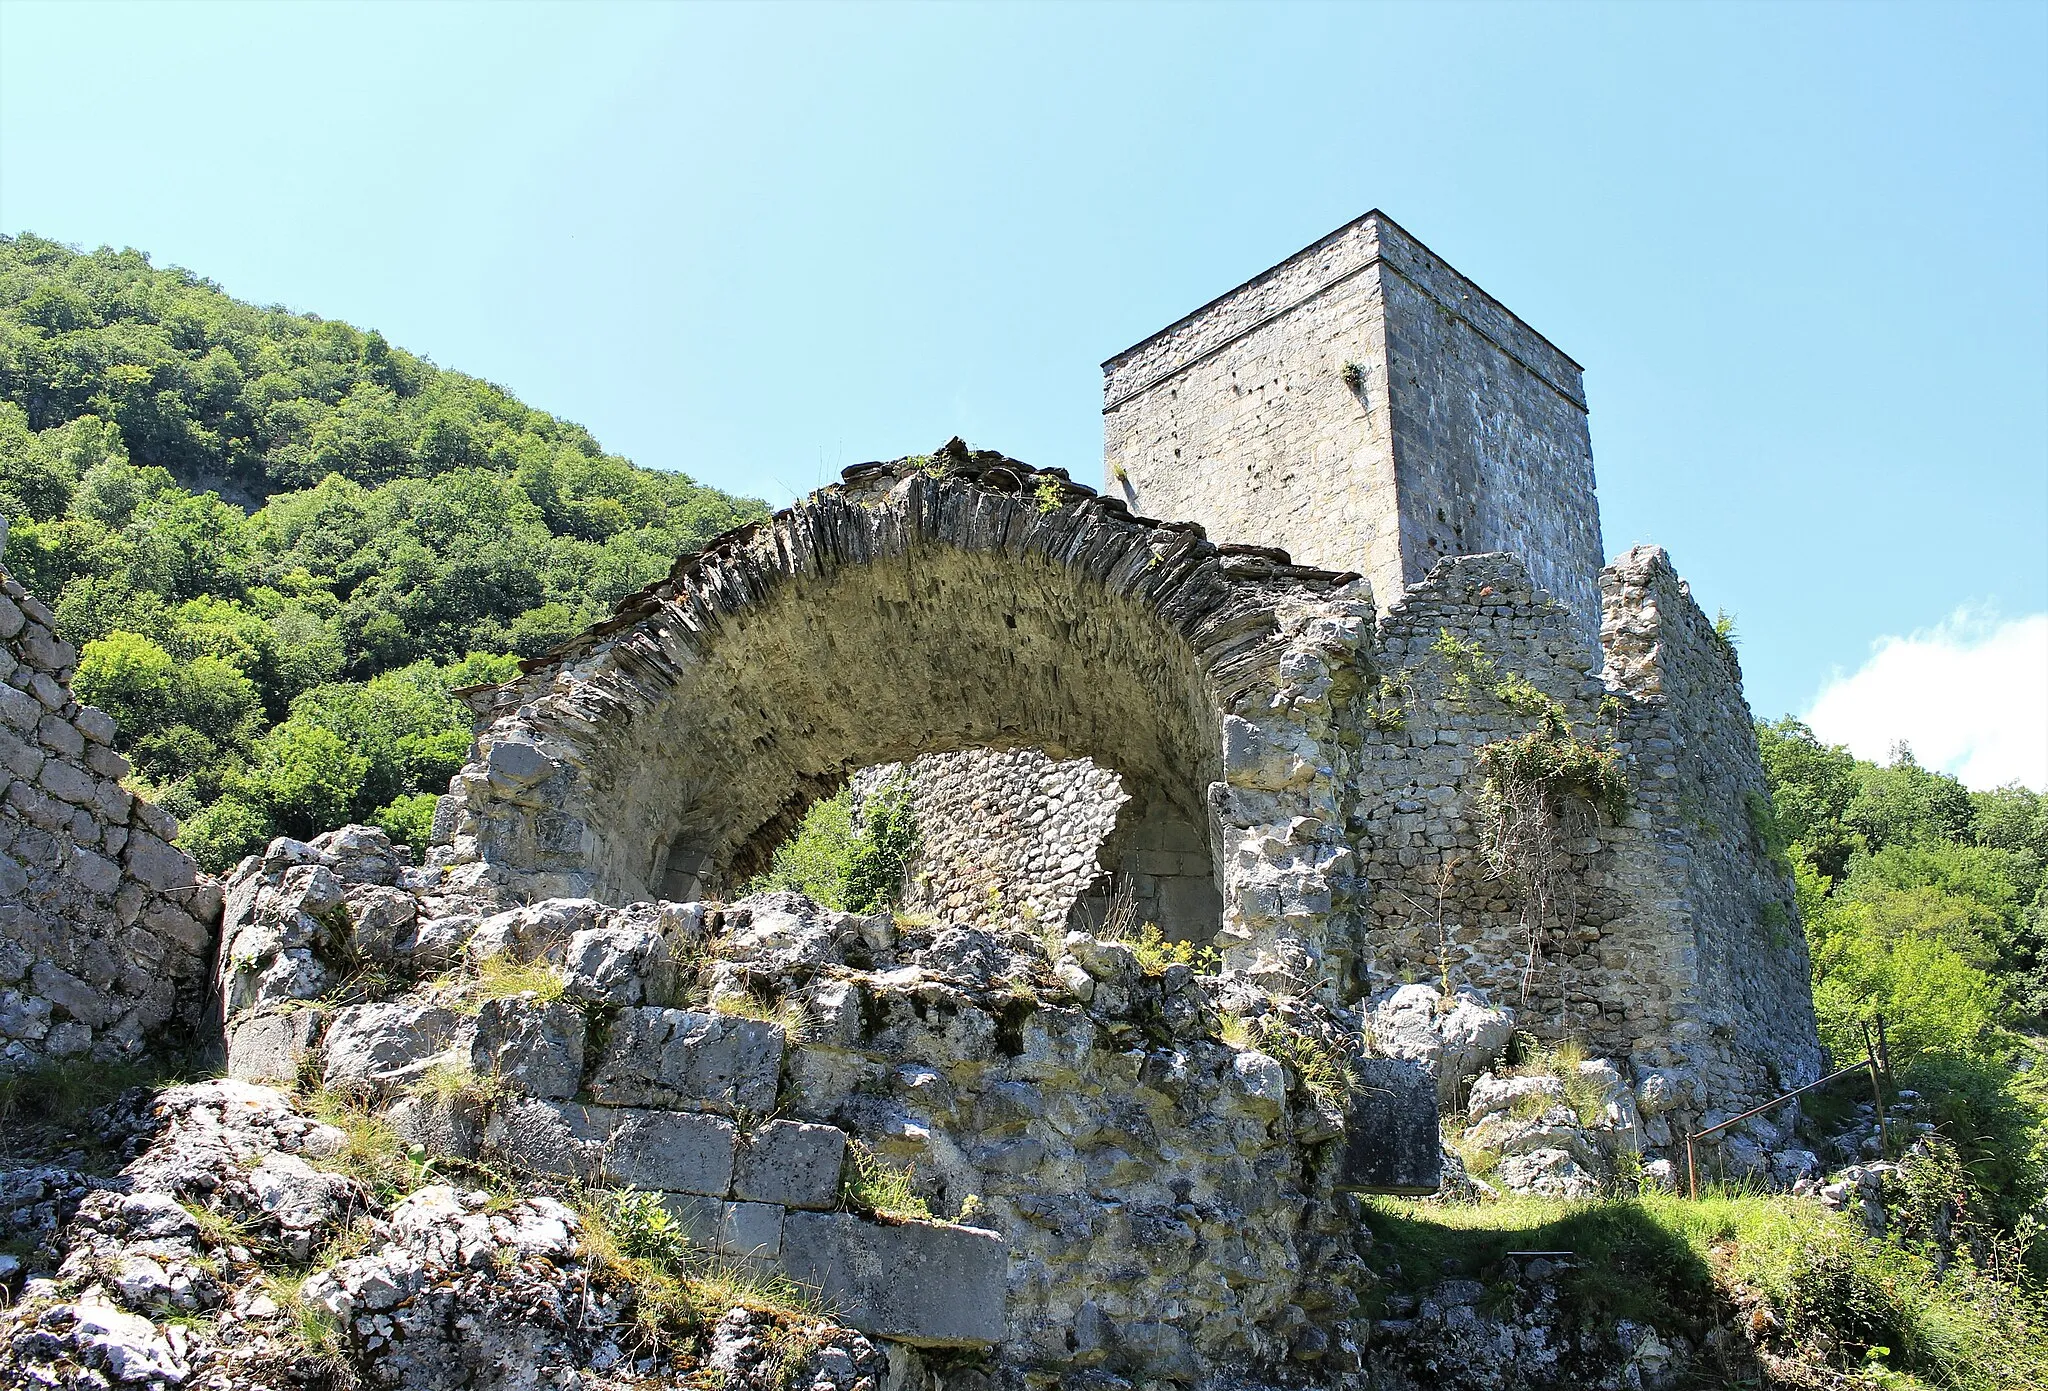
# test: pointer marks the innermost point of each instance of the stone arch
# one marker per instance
(924, 606)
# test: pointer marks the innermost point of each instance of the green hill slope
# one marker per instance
(279, 541)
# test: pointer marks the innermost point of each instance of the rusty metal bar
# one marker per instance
(1691, 1174)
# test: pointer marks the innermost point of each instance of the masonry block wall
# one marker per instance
(106, 929)
(1366, 407)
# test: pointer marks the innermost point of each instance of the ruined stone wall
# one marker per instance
(1009, 834)
(106, 929)
(1018, 834)
(1677, 946)
(1598, 969)
(1700, 790)
(1117, 1188)
(1366, 407)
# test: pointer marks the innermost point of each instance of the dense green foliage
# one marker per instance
(1925, 903)
(280, 541)
(849, 853)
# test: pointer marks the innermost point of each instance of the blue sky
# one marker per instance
(1802, 250)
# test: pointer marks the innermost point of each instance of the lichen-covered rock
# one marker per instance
(1456, 1036)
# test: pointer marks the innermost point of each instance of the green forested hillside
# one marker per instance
(1926, 903)
(279, 541)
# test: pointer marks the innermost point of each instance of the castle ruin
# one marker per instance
(1272, 683)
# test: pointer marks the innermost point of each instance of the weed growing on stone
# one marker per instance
(1583, 1094)
(62, 1093)
(1828, 1293)
(1314, 1065)
(1155, 952)
(372, 1152)
(632, 1238)
(319, 1337)
(1236, 1030)
(1047, 495)
(501, 977)
(872, 1188)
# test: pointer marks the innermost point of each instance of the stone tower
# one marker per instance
(1368, 408)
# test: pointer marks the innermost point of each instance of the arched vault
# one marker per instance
(965, 600)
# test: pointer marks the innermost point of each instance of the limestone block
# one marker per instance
(667, 1057)
(750, 1229)
(676, 1151)
(531, 1046)
(550, 1137)
(441, 1125)
(67, 781)
(86, 1003)
(624, 964)
(1549, 1173)
(95, 724)
(790, 1163)
(1391, 1140)
(271, 1047)
(540, 930)
(19, 708)
(95, 872)
(388, 1045)
(924, 1283)
(1456, 1037)
(380, 920)
(157, 864)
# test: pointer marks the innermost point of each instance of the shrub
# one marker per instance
(848, 855)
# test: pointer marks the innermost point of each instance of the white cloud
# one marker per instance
(1970, 695)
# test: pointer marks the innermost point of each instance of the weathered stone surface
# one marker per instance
(927, 1284)
(663, 1057)
(790, 1163)
(1391, 1141)
(533, 1047)
(550, 1137)
(118, 924)
(1360, 349)
(273, 1047)
(1456, 1037)
(678, 1152)
(387, 1045)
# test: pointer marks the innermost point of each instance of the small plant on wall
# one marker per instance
(1542, 791)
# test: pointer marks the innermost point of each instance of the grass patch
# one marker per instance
(317, 1336)
(1843, 1299)
(677, 1289)
(873, 1188)
(1317, 1068)
(373, 1153)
